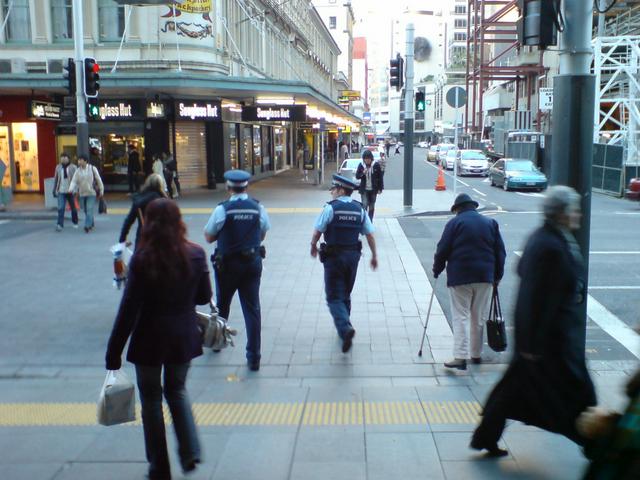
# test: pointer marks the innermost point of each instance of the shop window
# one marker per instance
(18, 25)
(5, 181)
(25, 156)
(266, 149)
(111, 18)
(191, 154)
(280, 147)
(247, 149)
(62, 19)
(257, 150)
(233, 146)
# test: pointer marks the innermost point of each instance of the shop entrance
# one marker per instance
(19, 152)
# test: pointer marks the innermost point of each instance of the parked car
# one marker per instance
(349, 167)
(443, 148)
(423, 145)
(449, 161)
(512, 173)
(633, 191)
(472, 162)
(432, 153)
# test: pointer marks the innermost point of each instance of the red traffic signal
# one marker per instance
(91, 77)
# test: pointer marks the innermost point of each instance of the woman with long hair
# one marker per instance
(168, 277)
(152, 190)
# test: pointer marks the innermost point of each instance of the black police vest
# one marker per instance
(346, 225)
(241, 229)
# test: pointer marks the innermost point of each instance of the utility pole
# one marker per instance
(408, 121)
(82, 127)
(573, 113)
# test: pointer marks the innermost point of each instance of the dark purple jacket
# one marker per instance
(472, 249)
(162, 324)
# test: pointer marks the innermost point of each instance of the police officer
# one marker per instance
(342, 221)
(239, 225)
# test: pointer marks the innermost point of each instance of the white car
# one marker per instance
(443, 150)
(349, 167)
(449, 161)
(472, 162)
(423, 145)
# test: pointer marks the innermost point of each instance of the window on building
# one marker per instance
(62, 19)
(461, 9)
(460, 23)
(459, 36)
(332, 23)
(111, 18)
(18, 26)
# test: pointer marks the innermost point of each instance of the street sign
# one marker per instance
(366, 117)
(545, 98)
(351, 94)
(451, 97)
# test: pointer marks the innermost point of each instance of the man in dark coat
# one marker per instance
(472, 249)
(133, 169)
(371, 182)
(547, 383)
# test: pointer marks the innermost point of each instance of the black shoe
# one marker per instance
(492, 450)
(254, 366)
(476, 360)
(347, 340)
(216, 350)
(190, 465)
(459, 363)
(86, 229)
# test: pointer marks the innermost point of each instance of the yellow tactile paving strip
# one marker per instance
(261, 414)
(270, 211)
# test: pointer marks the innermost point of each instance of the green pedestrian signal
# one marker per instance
(420, 101)
(93, 111)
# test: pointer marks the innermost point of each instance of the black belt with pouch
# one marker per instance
(218, 259)
(326, 251)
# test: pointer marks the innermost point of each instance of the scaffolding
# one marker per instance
(617, 106)
(492, 44)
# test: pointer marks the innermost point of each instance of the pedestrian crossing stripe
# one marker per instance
(312, 414)
(270, 210)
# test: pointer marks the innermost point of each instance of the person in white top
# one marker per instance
(87, 184)
(62, 180)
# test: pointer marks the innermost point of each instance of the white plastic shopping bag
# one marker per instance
(117, 400)
(121, 257)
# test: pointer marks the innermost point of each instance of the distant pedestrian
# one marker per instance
(133, 169)
(3, 200)
(344, 152)
(152, 189)
(547, 384)
(371, 182)
(158, 169)
(171, 174)
(397, 152)
(387, 147)
(87, 184)
(342, 221)
(168, 277)
(61, 183)
(472, 250)
(239, 226)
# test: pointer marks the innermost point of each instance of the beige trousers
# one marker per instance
(469, 306)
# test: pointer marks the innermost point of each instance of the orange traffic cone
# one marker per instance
(440, 185)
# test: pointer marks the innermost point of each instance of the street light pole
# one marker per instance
(82, 127)
(408, 121)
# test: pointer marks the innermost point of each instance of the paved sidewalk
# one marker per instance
(311, 412)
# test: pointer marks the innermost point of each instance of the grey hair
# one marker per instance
(154, 182)
(558, 201)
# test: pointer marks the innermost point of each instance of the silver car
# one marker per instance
(449, 161)
(349, 167)
(443, 149)
(472, 162)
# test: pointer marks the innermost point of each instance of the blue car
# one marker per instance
(514, 173)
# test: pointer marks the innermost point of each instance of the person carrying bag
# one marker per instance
(496, 331)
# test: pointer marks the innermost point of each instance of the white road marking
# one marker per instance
(486, 180)
(616, 287)
(626, 213)
(530, 194)
(448, 174)
(4, 221)
(479, 192)
(602, 252)
(611, 324)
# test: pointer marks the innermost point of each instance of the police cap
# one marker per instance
(343, 182)
(237, 178)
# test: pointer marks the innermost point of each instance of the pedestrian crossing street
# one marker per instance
(311, 414)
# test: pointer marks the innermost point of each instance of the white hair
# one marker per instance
(558, 201)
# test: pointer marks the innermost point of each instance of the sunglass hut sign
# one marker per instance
(198, 110)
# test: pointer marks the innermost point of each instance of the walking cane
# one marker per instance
(426, 322)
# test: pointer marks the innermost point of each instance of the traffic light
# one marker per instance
(537, 24)
(93, 111)
(69, 73)
(420, 102)
(396, 72)
(91, 77)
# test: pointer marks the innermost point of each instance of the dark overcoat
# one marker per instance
(547, 383)
(138, 207)
(377, 178)
(162, 324)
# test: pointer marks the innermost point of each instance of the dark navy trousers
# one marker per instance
(340, 271)
(242, 276)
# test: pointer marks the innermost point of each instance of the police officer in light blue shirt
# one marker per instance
(342, 221)
(238, 226)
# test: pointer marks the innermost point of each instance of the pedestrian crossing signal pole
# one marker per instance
(408, 121)
(82, 127)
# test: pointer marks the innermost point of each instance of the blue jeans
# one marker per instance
(63, 199)
(244, 277)
(340, 271)
(88, 205)
(155, 440)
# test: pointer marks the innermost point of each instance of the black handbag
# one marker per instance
(102, 206)
(496, 331)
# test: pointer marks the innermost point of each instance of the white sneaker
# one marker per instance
(58, 228)
(75, 225)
